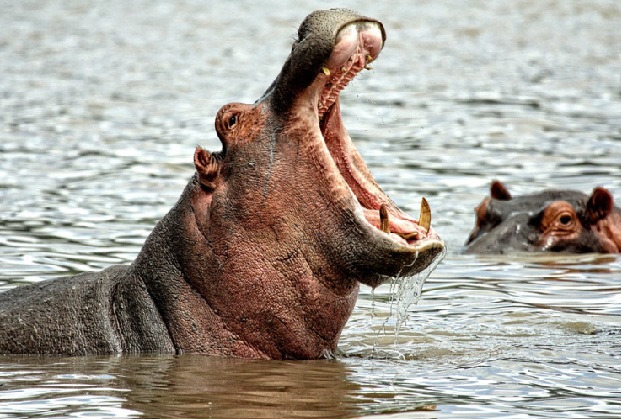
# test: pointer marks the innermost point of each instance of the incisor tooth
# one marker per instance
(425, 214)
(384, 221)
(325, 70)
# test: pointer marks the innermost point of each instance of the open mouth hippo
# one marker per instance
(263, 254)
(552, 220)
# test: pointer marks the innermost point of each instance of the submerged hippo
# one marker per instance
(263, 254)
(552, 220)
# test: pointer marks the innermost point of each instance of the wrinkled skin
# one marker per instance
(263, 254)
(552, 220)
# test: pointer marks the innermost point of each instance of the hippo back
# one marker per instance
(90, 313)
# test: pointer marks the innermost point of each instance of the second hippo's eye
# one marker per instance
(565, 219)
(232, 121)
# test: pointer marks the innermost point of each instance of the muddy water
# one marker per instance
(103, 104)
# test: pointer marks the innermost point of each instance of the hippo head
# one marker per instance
(552, 220)
(288, 180)
(280, 226)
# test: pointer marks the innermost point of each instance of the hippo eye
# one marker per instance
(232, 121)
(565, 219)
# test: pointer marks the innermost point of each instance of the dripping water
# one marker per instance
(407, 290)
(404, 291)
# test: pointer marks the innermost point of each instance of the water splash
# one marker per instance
(403, 292)
(407, 290)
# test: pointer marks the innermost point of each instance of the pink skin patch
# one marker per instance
(357, 45)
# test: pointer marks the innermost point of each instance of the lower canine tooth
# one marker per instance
(325, 70)
(425, 215)
(384, 221)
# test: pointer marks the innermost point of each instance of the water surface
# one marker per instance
(102, 105)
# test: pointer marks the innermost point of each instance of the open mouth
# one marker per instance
(357, 45)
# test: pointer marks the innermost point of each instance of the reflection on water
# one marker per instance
(102, 106)
(188, 386)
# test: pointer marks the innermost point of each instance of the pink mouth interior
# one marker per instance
(357, 45)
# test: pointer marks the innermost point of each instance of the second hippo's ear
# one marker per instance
(208, 168)
(599, 205)
(499, 191)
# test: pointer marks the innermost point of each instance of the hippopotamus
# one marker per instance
(263, 254)
(549, 221)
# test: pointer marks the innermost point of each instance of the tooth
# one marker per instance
(369, 59)
(384, 222)
(343, 69)
(368, 67)
(325, 70)
(425, 215)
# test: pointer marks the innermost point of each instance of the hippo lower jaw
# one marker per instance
(357, 45)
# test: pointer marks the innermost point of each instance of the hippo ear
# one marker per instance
(208, 168)
(599, 205)
(499, 191)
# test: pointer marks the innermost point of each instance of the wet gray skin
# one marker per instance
(508, 228)
(263, 254)
(552, 220)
